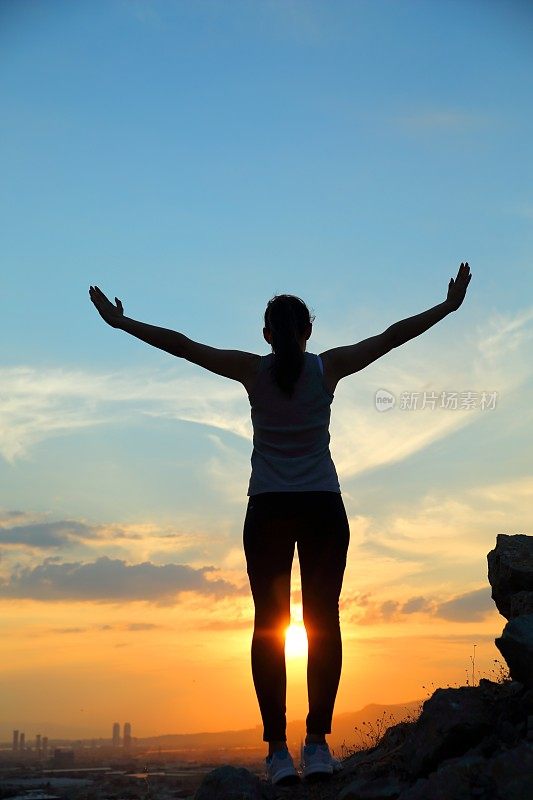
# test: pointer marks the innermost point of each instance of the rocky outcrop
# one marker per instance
(230, 783)
(511, 574)
(469, 742)
(511, 578)
(464, 739)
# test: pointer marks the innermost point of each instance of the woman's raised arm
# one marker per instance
(235, 364)
(342, 361)
(163, 338)
(408, 328)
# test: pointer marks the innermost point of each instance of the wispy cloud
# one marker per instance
(225, 624)
(468, 607)
(109, 580)
(133, 627)
(158, 542)
(438, 537)
(36, 404)
(496, 360)
(428, 560)
(505, 495)
(507, 335)
(45, 535)
(365, 609)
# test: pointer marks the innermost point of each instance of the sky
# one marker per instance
(194, 158)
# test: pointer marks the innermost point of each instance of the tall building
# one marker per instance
(127, 734)
(22, 741)
(45, 746)
(116, 734)
(15, 740)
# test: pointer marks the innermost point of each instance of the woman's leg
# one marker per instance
(268, 539)
(322, 550)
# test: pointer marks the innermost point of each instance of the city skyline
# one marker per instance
(19, 742)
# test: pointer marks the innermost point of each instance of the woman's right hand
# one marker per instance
(457, 288)
(112, 314)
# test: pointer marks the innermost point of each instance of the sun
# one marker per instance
(295, 640)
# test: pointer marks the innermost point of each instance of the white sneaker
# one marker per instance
(280, 768)
(317, 760)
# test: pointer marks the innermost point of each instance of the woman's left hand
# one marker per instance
(112, 314)
(457, 287)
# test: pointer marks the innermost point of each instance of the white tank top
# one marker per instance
(291, 435)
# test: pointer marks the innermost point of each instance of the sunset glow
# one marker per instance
(193, 159)
(295, 641)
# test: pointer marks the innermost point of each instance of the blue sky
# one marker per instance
(195, 158)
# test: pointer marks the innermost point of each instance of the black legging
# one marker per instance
(317, 522)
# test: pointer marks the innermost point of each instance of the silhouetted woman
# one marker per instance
(294, 498)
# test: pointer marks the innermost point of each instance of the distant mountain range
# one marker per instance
(343, 731)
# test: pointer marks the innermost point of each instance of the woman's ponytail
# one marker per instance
(287, 317)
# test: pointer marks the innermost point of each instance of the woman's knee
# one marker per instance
(271, 619)
(322, 616)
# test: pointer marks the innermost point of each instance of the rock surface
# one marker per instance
(230, 783)
(516, 646)
(470, 742)
(510, 570)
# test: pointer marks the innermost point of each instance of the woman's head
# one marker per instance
(288, 325)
